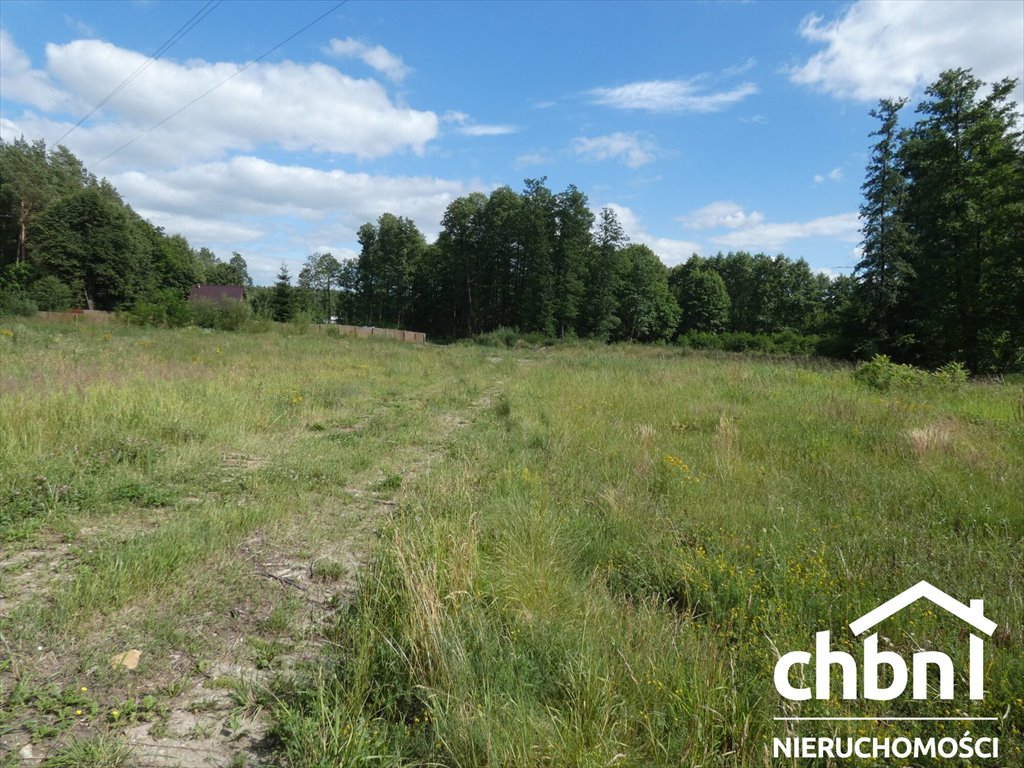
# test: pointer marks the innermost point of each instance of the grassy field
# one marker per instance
(342, 552)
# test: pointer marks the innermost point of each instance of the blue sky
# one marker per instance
(708, 126)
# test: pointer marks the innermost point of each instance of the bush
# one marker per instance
(952, 376)
(883, 374)
(224, 314)
(165, 308)
(500, 337)
(783, 343)
(16, 303)
(51, 295)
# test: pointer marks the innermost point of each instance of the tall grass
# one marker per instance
(608, 565)
(601, 569)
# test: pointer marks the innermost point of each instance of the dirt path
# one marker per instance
(297, 576)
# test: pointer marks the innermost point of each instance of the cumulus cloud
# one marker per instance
(670, 96)
(628, 148)
(20, 82)
(750, 231)
(375, 56)
(772, 237)
(888, 49)
(669, 250)
(248, 198)
(256, 187)
(721, 213)
(293, 106)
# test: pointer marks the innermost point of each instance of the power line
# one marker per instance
(185, 28)
(226, 80)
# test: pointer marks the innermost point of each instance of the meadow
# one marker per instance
(336, 551)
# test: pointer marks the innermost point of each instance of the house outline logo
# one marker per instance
(900, 673)
(973, 614)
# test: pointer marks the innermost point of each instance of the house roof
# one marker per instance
(972, 614)
(215, 292)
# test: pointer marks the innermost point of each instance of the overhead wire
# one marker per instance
(226, 80)
(183, 30)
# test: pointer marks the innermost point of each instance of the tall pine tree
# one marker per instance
(884, 271)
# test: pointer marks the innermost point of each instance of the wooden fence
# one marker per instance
(365, 331)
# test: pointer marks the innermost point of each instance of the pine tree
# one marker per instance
(604, 275)
(282, 305)
(964, 160)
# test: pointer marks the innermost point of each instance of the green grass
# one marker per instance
(596, 558)
(608, 564)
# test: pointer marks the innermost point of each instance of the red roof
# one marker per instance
(217, 292)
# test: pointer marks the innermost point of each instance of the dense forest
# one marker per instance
(941, 278)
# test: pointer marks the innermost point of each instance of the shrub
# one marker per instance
(952, 376)
(16, 303)
(51, 295)
(224, 314)
(785, 342)
(164, 308)
(883, 374)
(499, 337)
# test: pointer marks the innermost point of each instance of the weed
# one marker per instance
(100, 751)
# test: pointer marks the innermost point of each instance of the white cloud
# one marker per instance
(377, 57)
(81, 27)
(742, 68)
(20, 82)
(669, 250)
(267, 104)
(628, 148)
(773, 237)
(888, 49)
(467, 127)
(247, 199)
(836, 174)
(749, 231)
(487, 130)
(531, 158)
(250, 186)
(671, 96)
(721, 213)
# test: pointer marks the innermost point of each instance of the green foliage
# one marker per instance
(884, 272)
(161, 308)
(100, 751)
(647, 310)
(16, 303)
(942, 278)
(282, 300)
(499, 337)
(51, 295)
(783, 343)
(883, 374)
(223, 315)
(16, 277)
(390, 251)
(951, 376)
(703, 299)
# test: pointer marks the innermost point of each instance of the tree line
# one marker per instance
(942, 273)
(68, 239)
(941, 277)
